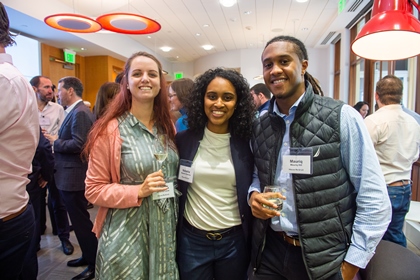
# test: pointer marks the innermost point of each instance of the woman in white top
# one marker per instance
(216, 167)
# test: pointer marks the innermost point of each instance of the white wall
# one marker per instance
(186, 68)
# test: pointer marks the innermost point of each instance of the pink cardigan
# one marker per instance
(103, 177)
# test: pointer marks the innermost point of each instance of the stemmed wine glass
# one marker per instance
(160, 149)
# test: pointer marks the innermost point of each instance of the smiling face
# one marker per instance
(219, 104)
(143, 79)
(283, 73)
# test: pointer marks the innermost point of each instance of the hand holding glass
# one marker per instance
(274, 199)
(160, 148)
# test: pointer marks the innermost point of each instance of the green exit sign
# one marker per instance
(178, 75)
(69, 56)
(341, 5)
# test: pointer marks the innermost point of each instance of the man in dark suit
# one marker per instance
(71, 170)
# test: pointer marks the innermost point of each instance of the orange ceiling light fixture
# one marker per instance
(127, 23)
(393, 33)
(73, 23)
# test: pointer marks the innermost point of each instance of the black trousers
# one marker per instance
(76, 202)
(281, 261)
(58, 211)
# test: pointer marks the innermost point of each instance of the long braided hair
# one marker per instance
(6, 38)
(301, 52)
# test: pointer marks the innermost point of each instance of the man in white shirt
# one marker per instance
(19, 135)
(396, 137)
(51, 116)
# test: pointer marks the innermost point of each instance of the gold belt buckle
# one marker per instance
(214, 236)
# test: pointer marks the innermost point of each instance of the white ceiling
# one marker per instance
(181, 20)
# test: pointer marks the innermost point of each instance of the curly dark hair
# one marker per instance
(240, 124)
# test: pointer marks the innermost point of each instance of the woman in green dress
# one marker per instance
(137, 201)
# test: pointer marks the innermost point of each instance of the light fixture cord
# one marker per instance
(415, 5)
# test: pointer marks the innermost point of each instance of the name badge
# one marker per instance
(166, 193)
(185, 170)
(299, 161)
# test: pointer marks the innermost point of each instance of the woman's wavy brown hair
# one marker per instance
(123, 101)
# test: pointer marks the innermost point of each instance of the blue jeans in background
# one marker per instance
(400, 197)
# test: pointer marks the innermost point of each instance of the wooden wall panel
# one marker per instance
(96, 74)
(93, 71)
(55, 70)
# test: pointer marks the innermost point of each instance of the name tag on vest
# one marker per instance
(299, 161)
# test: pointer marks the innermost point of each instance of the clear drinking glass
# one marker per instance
(276, 200)
(160, 149)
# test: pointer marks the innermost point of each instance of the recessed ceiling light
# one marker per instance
(166, 49)
(177, 56)
(227, 3)
(197, 34)
(206, 25)
(259, 77)
(247, 12)
(207, 47)
(82, 49)
(301, 1)
(149, 37)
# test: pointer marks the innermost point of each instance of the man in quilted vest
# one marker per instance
(335, 205)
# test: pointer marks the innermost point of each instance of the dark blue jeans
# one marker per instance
(15, 238)
(400, 197)
(202, 259)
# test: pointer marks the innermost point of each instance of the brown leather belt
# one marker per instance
(400, 183)
(14, 215)
(291, 240)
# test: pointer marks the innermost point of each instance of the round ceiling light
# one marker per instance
(227, 3)
(128, 23)
(207, 47)
(73, 23)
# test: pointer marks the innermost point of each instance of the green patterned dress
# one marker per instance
(139, 242)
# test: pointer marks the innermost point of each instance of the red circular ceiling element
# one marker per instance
(128, 23)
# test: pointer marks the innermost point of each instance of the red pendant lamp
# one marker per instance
(393, 33)
(73, 23)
